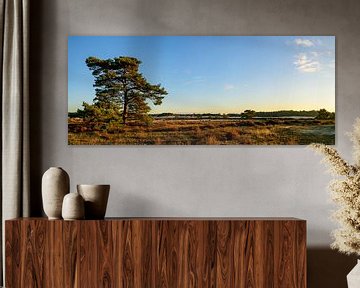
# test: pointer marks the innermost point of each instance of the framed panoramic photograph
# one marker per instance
(201, 90)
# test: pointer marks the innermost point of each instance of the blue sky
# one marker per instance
(217, 74)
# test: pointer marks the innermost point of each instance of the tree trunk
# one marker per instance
(124, 115)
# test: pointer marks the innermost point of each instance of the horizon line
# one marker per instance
(260, 111)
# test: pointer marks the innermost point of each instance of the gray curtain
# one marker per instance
(14, 177)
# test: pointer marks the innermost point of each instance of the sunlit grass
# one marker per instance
(206, 132)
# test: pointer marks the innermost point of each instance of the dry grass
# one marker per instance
(204, 132)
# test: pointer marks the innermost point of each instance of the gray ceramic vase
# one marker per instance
(55, 185)
(96, 198)
(73, 207)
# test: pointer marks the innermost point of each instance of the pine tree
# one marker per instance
(119, 84)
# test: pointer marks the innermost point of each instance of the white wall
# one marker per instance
(203, 180)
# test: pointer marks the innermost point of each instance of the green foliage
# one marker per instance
(287, 113)
(146, 119)
(248, 114)
(100, 113)
(113, 127)
(323, 114)
(98, 117)
(119, 84)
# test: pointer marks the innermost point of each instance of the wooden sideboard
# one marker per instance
(156, 252)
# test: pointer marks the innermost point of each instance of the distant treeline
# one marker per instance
(322, 113)
(288, 113)
(319, 114)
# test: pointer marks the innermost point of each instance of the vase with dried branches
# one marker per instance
(345, 192)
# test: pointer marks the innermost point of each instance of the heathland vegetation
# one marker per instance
(120, 114)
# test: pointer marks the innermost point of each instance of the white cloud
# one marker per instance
(307, 64)
(303, 42)
(228, 87)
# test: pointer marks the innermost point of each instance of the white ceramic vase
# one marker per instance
(353, 278)
(96, 198)
(55, 185)
(73, 207)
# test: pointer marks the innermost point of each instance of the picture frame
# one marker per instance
(201, 90)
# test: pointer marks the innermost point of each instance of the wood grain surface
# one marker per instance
(158, 252)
